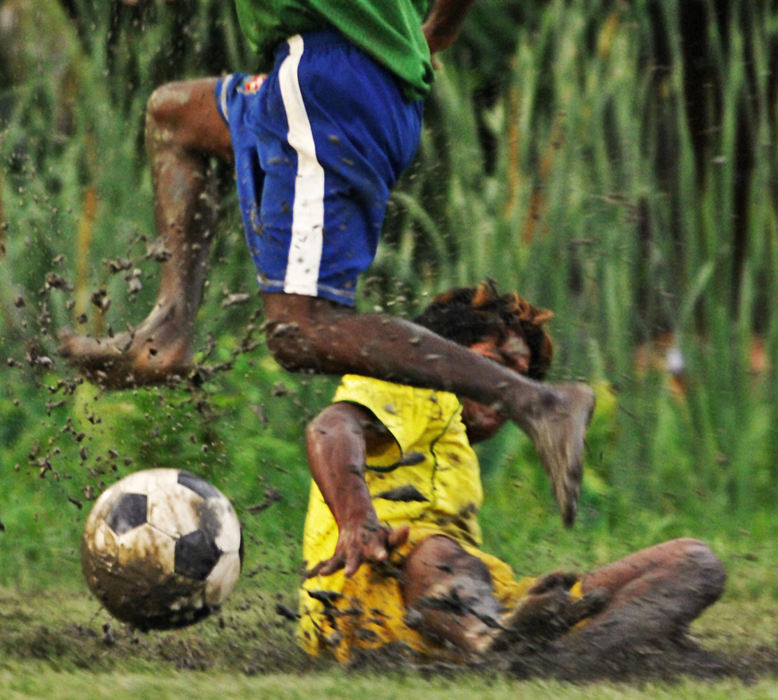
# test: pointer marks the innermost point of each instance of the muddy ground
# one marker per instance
(254, 634)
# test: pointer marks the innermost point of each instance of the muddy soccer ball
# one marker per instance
(161, 548)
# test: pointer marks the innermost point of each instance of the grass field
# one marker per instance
(60, 644)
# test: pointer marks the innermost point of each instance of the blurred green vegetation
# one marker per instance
(607, 159)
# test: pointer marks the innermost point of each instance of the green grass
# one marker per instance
(216, 685)
(59, 644)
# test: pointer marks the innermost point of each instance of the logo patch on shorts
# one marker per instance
(250, 86)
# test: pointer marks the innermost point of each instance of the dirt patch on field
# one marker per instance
(255, 635)
(655, 662)
(645, 663)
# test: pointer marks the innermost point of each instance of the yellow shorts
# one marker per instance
(367, 612)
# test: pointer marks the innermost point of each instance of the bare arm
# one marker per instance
(444, 22)
(337, 441)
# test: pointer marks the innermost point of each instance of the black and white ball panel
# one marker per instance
(198, 485)
(195, 555)
(219, 521)
(175, 510)
(128, 512)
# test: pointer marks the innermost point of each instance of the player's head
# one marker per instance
(469, 315)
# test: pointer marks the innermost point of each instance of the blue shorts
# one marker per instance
(318, 144)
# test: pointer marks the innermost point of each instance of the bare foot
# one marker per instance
(156, 352)
(557, 432)
(540, 618)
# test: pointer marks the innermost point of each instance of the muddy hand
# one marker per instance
(358, 545)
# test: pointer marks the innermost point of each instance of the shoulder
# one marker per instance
(407, 412)
(392, 400)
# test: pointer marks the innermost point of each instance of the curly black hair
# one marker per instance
(468, 315)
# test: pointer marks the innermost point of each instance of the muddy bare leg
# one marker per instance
(306, 333)
(183, 130)
(448, 595)
(654, 595)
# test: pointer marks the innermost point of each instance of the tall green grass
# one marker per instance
(630, 239)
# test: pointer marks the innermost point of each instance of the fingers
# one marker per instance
(350, 555)
(350, 564)
(355, 559)
(325, 567)
(377, 551)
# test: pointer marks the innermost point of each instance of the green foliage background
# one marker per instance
(567, 153)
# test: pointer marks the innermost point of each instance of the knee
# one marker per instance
(439, 575)
(299, 331)
(702, 564)
(289, 346)
(441, 556)
(165, 112)
(158, 107)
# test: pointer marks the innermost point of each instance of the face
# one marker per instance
(484, 421)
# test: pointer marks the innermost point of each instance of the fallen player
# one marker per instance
(392, 532)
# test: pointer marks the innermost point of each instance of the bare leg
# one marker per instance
(183, 130)
(654, 596)
(448, 594)
(306, 333)
(650, 596)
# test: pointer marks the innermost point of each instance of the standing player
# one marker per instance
(317, 145)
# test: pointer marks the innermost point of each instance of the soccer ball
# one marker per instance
(161, 548)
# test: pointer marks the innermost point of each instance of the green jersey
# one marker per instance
(388, 30)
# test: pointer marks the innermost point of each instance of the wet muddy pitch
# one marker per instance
(255, 634)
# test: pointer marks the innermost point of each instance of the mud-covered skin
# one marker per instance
(151, 354)
(183, 130)
(557, 431)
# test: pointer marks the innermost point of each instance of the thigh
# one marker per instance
(649, 566)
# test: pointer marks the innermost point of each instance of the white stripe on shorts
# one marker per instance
(223, 96)
(302, 272)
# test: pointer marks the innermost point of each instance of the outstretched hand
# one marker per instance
(357, 544)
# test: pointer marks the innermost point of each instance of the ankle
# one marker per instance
(532, 408)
